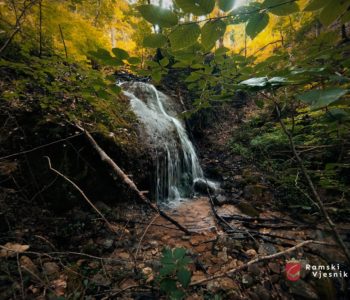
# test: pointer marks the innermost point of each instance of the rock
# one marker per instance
(247, 280)
(153, 244)
(251, 253)
(274, 267)
(267, 249)
(247, 209)
(220, 200)
(302, 289)
(51, 269)
(202, 186)
(100, 280)
(254, 269)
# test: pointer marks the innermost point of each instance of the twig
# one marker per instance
(143, 235)
(254, 261)
(119, 172)
(20, 275)
(109, 225)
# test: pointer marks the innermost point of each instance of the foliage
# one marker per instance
(174, 275)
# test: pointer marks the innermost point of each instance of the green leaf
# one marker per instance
(321, 98)
(167, 269)
(156, 75)
(184, 35)
(211, 32)
(184, 276)
(177, 295)
(316, 4)
(244, 13)
(194, 76)
(157, 15)
(256, 24)
(168, 285)
(332, 12)
(221, 51)
(196, 7)
(280, 7)
(179, 253)
(164, 62)
(120, 53)
(134, 60)
(154, 40)
(226, 5)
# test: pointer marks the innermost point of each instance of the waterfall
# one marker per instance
(177, 164)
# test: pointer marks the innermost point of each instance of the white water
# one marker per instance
(177, 164)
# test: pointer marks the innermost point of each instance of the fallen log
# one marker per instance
(120, 173)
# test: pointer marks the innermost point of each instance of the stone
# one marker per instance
(153, 244)
(251, 253)
(274, 267)
(267, 249)
(201, 186)
(220, 200)
(51, 269)
(247, 209)
(247, 280)
(254, 269)
(100, 280)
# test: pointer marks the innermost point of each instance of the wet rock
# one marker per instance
(302, 289)
(202, 186)
(51, 269)
(221, 200)
(247, 280)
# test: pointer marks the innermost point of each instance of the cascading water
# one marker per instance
(177, 164)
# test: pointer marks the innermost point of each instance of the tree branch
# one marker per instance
(119, 172)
